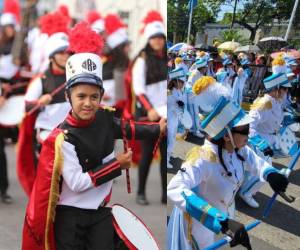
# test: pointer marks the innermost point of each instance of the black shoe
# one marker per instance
(141, 200)
(6, 198)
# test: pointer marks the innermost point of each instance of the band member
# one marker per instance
(175, 107)
(116, 62)
(67, 207)
(267, 114)
(149, 79)
(204, 190)
(46, 106)
(8, 77)
(243, 74)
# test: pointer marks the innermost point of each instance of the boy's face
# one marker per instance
(85, 101)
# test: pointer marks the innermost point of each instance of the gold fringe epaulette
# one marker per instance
(188, 219)
(108, 108)
(204, 152)
(261, 103)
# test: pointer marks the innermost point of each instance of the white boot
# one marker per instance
(249, 200)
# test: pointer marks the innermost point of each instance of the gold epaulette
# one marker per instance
(261, 103)
(204, 152)
(108, 108)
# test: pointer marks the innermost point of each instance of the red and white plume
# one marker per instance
(11, 13)
(53, 23)
(115, 30)
(63, 9)
(84, 40)
(153, 24)
(95, 20)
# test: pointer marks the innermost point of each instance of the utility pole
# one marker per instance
(291, 20)
(190, 24)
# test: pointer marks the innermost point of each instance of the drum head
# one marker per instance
(132, 230)
(287, 141)
(13, 110)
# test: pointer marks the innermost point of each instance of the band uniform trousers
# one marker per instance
(83, 229)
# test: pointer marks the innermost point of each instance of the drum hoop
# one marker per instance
(13, 125)
(122, 234)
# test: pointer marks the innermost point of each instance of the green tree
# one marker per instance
(256, 13)
(178, 18)
(229, 35)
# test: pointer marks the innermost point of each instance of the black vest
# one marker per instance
(50, 82)
(108, 68)
(159, 71)
(94, 142)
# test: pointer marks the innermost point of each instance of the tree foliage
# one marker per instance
(256, 13)
(178, 17)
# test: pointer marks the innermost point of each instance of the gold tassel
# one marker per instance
(188, 219)
(54, 189)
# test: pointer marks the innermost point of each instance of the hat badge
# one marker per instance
(89, 65)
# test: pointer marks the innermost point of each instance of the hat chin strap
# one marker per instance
(231, 137)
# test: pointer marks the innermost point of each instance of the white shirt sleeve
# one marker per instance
(72, 173)
(186, 181)
(35, 90)
(139, 76)
(255, 164)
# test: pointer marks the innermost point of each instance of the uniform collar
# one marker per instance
(72, 121)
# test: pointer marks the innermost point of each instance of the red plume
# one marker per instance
(13, 7)
(63, 9)
(152, 16)
(93, 16)
(54, 22)
(113, 23)
(84, 40)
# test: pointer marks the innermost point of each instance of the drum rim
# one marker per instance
(14, 125)
(123, 236)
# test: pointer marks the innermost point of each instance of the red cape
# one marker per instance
(38, 231)
(26, 169)
(128, 113)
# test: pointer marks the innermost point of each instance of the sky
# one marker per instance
(227, 8)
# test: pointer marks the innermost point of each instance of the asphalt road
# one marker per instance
(281, 229)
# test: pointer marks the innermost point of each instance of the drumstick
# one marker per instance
(14, 86)
(53, 93)
(125, 144)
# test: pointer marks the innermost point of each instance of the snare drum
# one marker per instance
(287, 141)
(13, 111)
(132, 231)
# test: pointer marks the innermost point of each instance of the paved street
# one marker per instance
(154, 215)
(281, 229)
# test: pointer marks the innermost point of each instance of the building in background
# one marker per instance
(131, 11)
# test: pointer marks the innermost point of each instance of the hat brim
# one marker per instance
(287, 85)
(246, 119)
(88, 79)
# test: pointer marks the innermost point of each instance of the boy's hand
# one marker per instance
(45, 99)
(163, 125)
(152, 115)
(125, 159)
